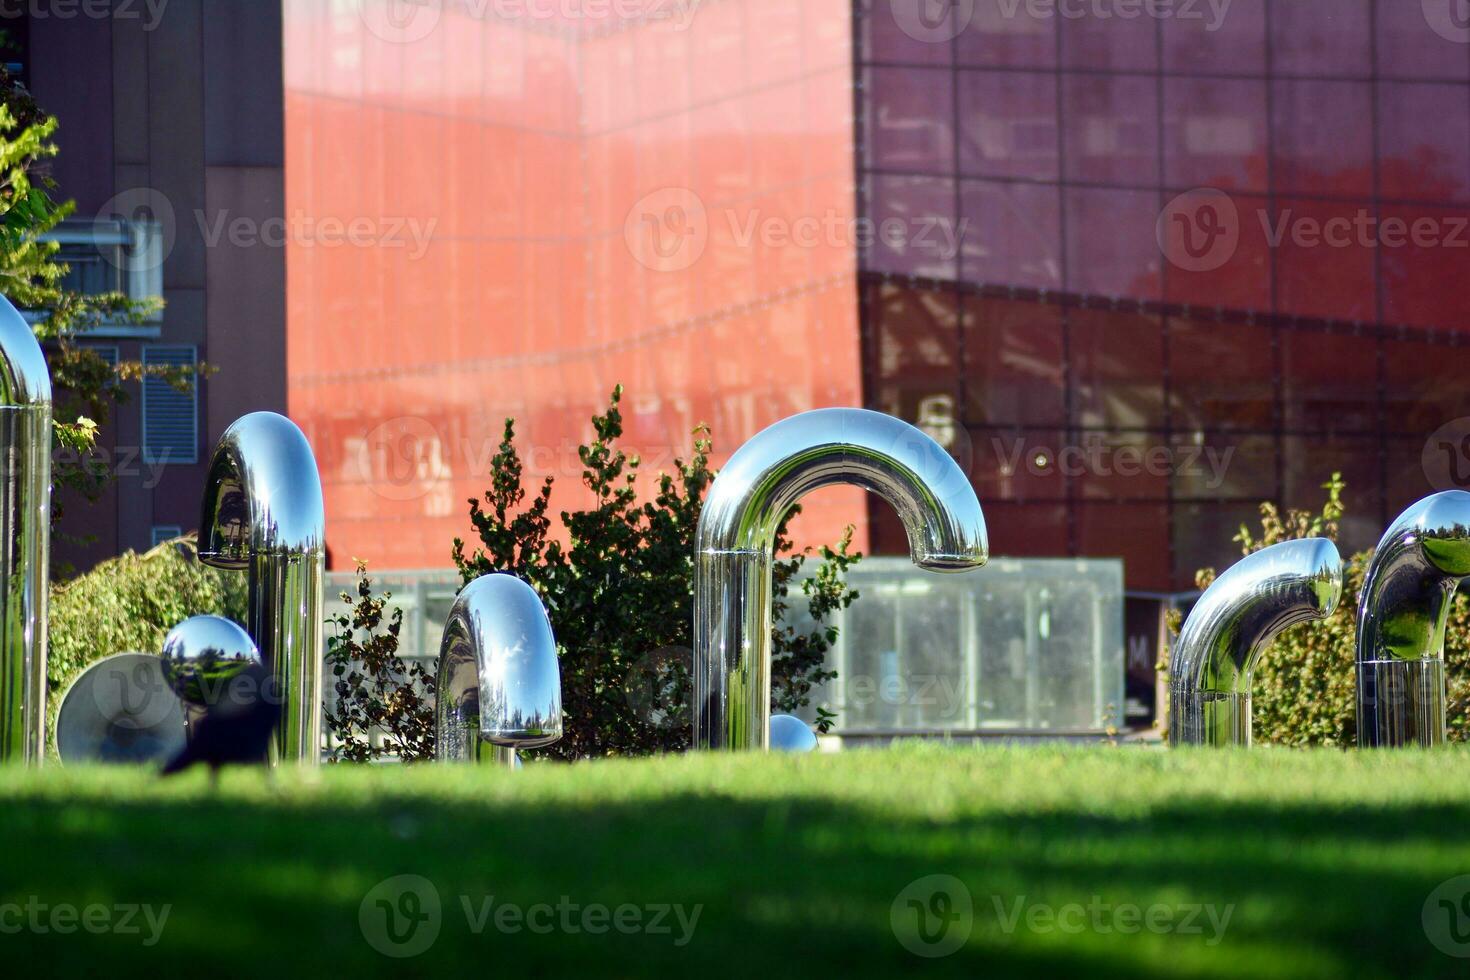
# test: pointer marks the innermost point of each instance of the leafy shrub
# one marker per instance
(620, 594)
(127, 604)
(1305, 687)
(375, 691)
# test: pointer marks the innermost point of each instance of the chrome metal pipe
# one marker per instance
(25, 526)
(737, 532)
(1232, 624)
(263, 514)
(1419, 564)
(499, 680)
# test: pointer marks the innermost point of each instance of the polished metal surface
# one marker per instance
(1232, 624)
(791, 734)
(25, 529)
(499, 681)
(1418, 565)
(263, 514)
(737, 531)
(202, 655)
(121, 711)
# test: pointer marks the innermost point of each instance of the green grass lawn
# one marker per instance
(1322, 861)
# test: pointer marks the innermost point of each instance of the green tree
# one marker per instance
(620, 593)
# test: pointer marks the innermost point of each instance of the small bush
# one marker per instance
(127, 604)
(1305, 686)
(376, 693)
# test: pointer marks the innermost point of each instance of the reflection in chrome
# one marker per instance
(1232, 624)
(737, 531)
(202, 655)
(1422, 559)
(120, 711)
(263, 514)
(25, 445)
(791, 734)
(499, 682)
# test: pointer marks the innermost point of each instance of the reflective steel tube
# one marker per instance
(1419, 564)
(737, 532)
(263, 514)
(25, 522)
(499, 681)
(1232, 624)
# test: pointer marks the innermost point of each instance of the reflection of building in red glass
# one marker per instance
(583, 203)
(1010, 247)
(1135, 361)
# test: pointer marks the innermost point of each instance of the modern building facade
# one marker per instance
(170, 144)
(1140, 266)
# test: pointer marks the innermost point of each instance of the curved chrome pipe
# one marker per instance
(499, 681)
(1422, 559)
(1232, 624)
(25, 524)
(263, 514)
(737, 532)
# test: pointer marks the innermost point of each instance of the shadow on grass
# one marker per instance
(804, 888)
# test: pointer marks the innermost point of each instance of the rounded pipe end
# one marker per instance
(263, 494)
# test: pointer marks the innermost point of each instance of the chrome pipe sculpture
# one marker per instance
(499, 681)
(1422, 559)
(791, 734)
(25, 527)
(737, 531)
(1232, 624)
(263, 514)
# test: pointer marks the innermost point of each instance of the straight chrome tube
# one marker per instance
(25, 527)
(737, 532)
(499, 681)
(263, 514)
(1421, 561)
(1232, 624)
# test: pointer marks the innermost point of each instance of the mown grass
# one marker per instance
(1323, 861)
